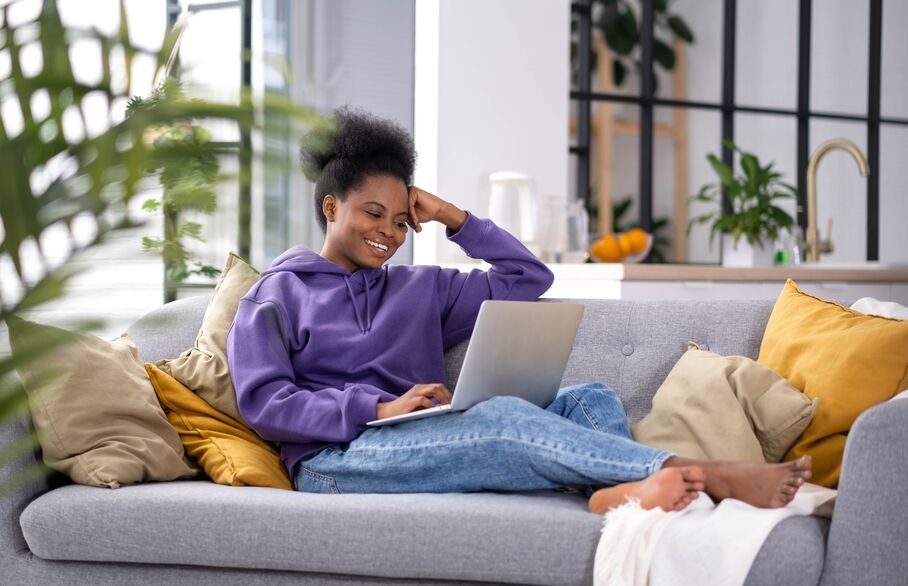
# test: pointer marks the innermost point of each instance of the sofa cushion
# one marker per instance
(725, 408)
(535, 538)
(850, 360)
(792, 554)
(95, 411)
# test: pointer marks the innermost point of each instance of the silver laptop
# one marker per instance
(518, 348)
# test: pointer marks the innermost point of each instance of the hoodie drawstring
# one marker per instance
(365, 328)
(368, 308)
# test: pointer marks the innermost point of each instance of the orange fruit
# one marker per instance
(624, 242)
(607, 249)
(637, 238)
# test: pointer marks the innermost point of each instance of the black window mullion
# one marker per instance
(803, 109)
(729, 22)
(173, 12)
(245, 194)
(583, 8)
(646, 114)
(693, 104)
(873, 130)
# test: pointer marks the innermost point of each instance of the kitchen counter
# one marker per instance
(690, 272)
(843, 283)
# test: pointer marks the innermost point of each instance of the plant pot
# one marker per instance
(744, 255)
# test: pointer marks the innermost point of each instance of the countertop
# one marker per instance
(868, 272)
(691, 272)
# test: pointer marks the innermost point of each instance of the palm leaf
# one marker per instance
(94, 176)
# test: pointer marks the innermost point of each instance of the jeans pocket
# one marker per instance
(309, 481)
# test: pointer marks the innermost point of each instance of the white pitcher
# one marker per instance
(513, 206)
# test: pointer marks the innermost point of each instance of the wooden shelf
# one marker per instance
(604, 126)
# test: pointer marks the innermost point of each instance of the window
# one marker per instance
(776, 77)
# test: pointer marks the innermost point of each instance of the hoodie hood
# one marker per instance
(300, 259)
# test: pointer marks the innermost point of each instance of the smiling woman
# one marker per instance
(325, 343)
(363, 198)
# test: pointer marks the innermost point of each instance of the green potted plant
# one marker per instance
(82, 178)
(755, 222)
(188, 183)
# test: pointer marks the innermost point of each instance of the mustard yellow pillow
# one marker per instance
(850, 360)
(228, 451)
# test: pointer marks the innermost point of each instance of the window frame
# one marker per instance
(647, 101)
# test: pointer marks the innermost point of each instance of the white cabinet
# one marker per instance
(647, 290)
(655, 290)
(709, 282)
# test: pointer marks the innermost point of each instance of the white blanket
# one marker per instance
(703, 544)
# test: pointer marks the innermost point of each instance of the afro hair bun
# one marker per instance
(355, 135)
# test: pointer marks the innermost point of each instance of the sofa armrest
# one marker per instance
(21, 481)
(869, 529)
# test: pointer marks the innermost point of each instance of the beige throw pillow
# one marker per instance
(725, 407)
(203, 368)
(95, 411)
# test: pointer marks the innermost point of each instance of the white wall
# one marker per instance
(356, 52)
(491, 93)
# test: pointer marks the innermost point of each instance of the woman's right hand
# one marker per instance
(426, 207)
(419, 397)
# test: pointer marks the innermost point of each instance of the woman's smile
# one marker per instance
(377, 247)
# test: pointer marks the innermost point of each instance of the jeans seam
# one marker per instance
(587, 414)
(332, 484)
(647, 467)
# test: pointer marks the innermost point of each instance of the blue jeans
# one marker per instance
(505, 443)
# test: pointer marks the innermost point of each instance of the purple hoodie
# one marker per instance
(314, 348)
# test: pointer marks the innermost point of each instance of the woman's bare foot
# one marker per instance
(671, 489)
(768, 486)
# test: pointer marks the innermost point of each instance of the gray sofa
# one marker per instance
(197, 532)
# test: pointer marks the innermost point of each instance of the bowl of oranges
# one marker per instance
(625, 247)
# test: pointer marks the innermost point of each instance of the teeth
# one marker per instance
(377, 245)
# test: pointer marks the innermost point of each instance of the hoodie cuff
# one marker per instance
(365, 403)
(470, 235)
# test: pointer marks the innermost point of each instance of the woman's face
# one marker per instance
(369, 225)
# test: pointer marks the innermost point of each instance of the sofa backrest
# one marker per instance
(632, 345)
(170, 329)
(628, 345)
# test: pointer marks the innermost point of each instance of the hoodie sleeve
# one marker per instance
(516, 274)
(258, 354)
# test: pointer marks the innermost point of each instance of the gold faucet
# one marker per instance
(815, 246)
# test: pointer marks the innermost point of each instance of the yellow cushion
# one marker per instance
(228, 451)
(850, 360)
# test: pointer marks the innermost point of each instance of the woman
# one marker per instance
(324, 343)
